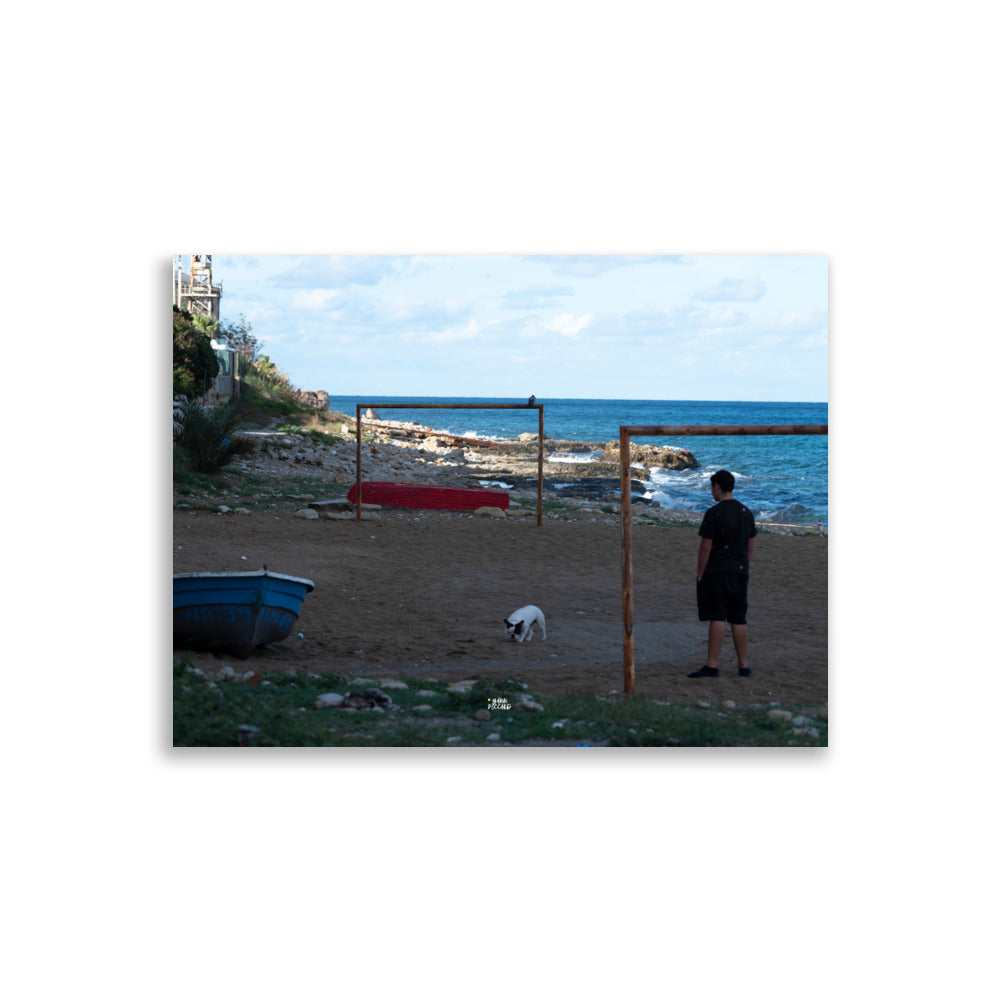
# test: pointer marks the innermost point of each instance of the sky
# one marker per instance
(701, 326)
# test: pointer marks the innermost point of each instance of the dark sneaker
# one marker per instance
(745, 672)
(706, 671)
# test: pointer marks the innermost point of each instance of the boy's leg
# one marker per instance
(741, 640)
(716, 633)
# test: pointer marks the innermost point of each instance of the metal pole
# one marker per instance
(357, 467)
(541, 436)
(459, 406)
(625, 454)
(722, 429)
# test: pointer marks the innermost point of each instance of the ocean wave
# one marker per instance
(578, 457)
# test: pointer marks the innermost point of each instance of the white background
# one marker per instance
(862, 131)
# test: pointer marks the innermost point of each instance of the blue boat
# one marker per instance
(235, 612)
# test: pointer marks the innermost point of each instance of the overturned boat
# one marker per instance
(236, 612)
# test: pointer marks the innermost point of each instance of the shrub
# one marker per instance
(209, 436)
(266, 382)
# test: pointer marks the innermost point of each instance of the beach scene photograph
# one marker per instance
(541, 569)
(402, 516)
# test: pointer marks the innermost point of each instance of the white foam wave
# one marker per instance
(578, 457)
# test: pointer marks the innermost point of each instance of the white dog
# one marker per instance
(522, 622)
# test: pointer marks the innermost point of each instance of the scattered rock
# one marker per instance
(462, 687)
(358, 701)
(423, 708)
(308, 513)
(248, 736)
(377, 697)
(330, 700)
(526, 703)
(493, 738)
(396, 685)
(490, 512)
(482, 715)
(779, 715)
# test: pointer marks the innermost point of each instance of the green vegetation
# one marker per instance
(264, 384)
(252, 490)
(208, 437)
(281, 708)
(195, 363)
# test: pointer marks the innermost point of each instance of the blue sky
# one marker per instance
(703, 326)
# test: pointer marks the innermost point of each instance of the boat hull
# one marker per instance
(235, 612)
(428, 497)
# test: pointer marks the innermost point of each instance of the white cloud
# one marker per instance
(315, 298)
(568, 324)
(732, 290)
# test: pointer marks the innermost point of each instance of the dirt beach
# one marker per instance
(424, 594)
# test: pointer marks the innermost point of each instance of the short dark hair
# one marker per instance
(724, 480)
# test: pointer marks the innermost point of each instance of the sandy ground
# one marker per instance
(424, 594)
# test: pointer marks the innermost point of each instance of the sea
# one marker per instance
(782, 479)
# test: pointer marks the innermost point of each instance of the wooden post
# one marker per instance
(625, 454)
(541, 436)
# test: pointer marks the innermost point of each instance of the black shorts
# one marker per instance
(722, 597)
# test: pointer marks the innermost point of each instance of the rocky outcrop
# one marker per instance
(652, 456)
(317, 400)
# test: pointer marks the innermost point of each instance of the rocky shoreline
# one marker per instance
(406, 452)
(584, 472)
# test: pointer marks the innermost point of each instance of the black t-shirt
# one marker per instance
(730, 525)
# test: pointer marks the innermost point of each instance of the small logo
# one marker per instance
(497, 704)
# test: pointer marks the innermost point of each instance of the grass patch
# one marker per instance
(252, 490)
(280, 709)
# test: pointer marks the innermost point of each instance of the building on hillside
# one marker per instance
(193, 290)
